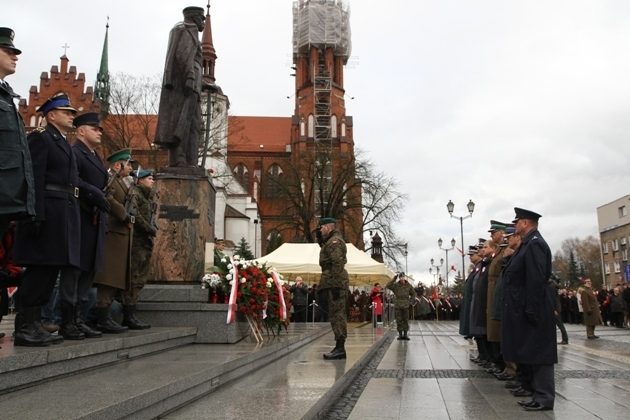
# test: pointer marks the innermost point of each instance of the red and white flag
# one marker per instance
(231, 315)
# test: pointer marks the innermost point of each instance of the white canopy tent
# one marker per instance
(292, 260)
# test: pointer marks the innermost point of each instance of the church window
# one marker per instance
(242, 175)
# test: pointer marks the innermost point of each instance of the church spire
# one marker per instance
(101, 93)
(208, 51)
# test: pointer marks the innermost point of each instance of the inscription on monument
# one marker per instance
(177, 213)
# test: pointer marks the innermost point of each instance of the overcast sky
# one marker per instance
(508, 103)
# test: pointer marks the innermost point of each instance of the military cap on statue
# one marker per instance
(326, 220)
(89, 118)
(58, 101)
(6, 40)
(494, 225)
(525, 214)
(124, 154)
(193, 11)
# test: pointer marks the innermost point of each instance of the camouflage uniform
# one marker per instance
(334, 281)
(142, 246)
(402, 292)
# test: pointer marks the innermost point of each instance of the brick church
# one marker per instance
(274, 176)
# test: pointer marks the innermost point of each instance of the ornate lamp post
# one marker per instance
(406, 253)
(446, 251)
(471, 207)
(436, 268)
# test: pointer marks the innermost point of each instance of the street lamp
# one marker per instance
(406, 253)
(255, 238)
(446, 251)
(436, 268)
(471, 207)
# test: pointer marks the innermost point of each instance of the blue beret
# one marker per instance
(143, 173)
(59, 101)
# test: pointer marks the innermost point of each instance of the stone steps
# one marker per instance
(24, 366)
(143, 387)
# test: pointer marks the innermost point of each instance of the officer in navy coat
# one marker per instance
(93, 177)
(50, 241)
(529, 328)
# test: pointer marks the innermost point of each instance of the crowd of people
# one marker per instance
(64, 217)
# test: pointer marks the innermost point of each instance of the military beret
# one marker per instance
(525, 214)
(494, 225)
(58, 101)
(326, 220)
(89, 118)
(6, 40)
(143, 173)
(124, 154)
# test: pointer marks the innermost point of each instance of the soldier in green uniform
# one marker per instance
(144, 233)
(334, 283)
(403, 291)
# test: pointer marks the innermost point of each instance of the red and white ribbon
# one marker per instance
(231, 315)
(283, 306)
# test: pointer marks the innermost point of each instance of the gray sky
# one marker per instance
(508, 103)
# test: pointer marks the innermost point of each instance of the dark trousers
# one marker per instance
(543, 385)
(299, 313)
(482, 348)
(563, 331)
(73, 285)
(37, 285)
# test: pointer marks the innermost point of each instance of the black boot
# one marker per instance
(405, 336)
(130, 320)
(339, 352)
(68, 329)
(400, 335)
(106, 324)
(26, 331)
(88, 331)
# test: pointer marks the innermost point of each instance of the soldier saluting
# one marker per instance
(403, 291)
(334, 283)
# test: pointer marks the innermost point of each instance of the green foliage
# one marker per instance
(275, 240)
(243, 250)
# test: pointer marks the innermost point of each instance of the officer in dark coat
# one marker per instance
(93, 179)
(528, 327)
(50, 242)
(17, 195)
(334, 283)
(464, 319)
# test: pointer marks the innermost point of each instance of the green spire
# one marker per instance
(101, 92)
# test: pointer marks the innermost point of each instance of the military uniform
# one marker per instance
(403, 292)
(17, 194)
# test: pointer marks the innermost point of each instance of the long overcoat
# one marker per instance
(478, 301)
(116, 262)
(590, 305)
(493, 327)
(17, 194)
(531, 338)
(92, 181)
(464, 312)
(56, 242)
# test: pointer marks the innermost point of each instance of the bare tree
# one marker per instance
(586, 261)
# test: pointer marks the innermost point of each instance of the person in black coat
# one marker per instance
(50, 242)
(17, 196)
(528, 327)
(93, 179)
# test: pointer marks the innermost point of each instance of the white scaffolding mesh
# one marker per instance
(322, 23)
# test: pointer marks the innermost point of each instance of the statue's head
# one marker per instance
(195, 15)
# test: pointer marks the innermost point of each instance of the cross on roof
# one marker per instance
(65, 48)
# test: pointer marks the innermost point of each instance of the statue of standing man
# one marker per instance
(179, 116)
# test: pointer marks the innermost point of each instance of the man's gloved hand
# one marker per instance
(531, 318)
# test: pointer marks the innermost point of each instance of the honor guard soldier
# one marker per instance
(50, 242)
(145, 229)
(334, 283)
(17, 194)
(116, 274)
(403, 292)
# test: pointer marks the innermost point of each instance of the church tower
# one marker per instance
(101, 91)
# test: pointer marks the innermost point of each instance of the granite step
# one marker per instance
(150, 386)
(24, 366)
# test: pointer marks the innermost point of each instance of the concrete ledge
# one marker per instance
(25, 366)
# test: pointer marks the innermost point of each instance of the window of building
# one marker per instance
(607, 268)
(605, 247)
(615, 245)
(242, 175)
(624, 255)
(617, 267)
(333, 126)
(623, 211)
(273, 181)
(311, 126)
(302, 128)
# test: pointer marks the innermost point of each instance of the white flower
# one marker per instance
(243, 280)
(237, 257)
(228, 276)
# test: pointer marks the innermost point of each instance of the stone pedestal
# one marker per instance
(180, 305)
(185, 221)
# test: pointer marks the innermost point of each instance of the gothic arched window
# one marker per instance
(273, 181)
(242, 175)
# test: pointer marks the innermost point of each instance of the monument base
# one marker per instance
(180, 305)
(186, 200)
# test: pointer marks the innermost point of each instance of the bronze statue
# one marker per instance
(179, 116)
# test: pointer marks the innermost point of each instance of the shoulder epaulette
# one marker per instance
(40, 129)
